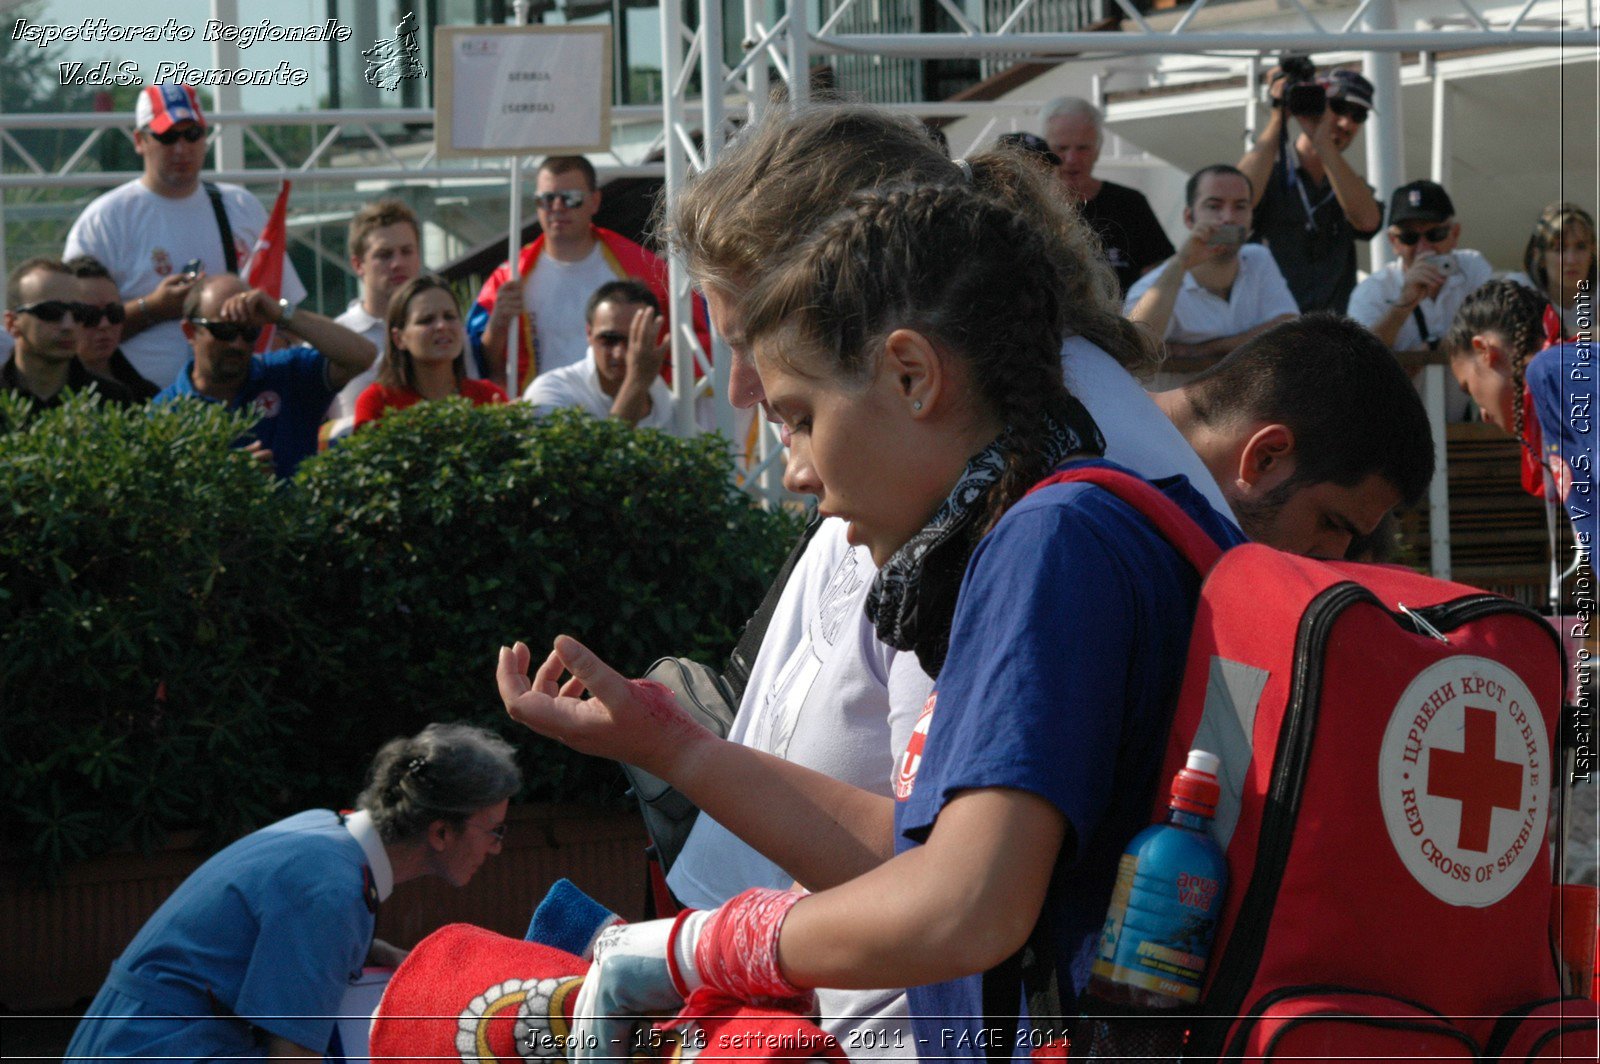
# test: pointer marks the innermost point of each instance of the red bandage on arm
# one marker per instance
(737, 953)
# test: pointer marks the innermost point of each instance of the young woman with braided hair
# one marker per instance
(1542, 395)
(921, 400)
(833, 690)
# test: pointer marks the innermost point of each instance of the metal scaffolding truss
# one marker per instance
(784, 49)
(391, 155)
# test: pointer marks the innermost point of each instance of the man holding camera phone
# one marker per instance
(161, 231)
(1410, 303)
(1217, 292)
(1310, 204)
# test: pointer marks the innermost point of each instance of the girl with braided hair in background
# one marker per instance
(921, 396)
(252, 954)
(1544, 396)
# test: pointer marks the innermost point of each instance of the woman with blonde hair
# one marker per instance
(1559, 261)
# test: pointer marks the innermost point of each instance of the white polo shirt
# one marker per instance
(1258, 295)
(1374, 297)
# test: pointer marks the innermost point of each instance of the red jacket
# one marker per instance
(625, 258)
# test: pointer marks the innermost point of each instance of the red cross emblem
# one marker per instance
(1476, 778)
(911, 760)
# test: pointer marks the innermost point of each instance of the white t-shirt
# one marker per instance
(1138, 435)
(824, 692)
(142, 237)
(579, 385)
(1259, 294)
(557, 293)
(356, 319)
(1373, 297)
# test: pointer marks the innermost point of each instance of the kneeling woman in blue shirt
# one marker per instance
(252, 954)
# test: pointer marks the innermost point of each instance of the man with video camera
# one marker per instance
(1310, 204)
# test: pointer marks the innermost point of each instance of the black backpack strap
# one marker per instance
(737, 672)
(1032, 969)
(1422, 329)
(230, 254)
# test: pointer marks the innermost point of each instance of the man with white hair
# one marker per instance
(1134, 241)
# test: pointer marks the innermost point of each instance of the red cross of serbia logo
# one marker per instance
(1464, 778)
(911, 759)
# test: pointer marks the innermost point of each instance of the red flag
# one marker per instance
(264, 268)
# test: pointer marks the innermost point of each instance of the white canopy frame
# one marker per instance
(785, 48)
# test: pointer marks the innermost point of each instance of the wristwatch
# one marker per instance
(285, 312)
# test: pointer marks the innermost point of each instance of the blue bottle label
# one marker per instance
(1158, 931)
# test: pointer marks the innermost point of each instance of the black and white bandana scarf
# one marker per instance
(912, 601)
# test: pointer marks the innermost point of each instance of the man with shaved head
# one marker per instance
(289, 390)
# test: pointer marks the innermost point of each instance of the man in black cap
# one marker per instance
(1310, 204)
(1410, 303)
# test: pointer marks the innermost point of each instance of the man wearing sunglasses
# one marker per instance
(1410, 303)
(100, 334)
(290, 388)
(1310, 204)
(571, 258)
(147, 231)
(44, 317)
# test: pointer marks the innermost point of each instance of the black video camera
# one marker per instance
(1302, 95)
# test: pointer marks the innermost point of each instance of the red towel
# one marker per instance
(469, 994)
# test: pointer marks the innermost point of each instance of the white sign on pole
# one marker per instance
(507, 90)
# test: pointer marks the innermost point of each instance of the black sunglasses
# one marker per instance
(1344, 109)
(188, 133)
(53, 310)
(1409, 237)
(90, 315)
(229, 331)
(570, 197)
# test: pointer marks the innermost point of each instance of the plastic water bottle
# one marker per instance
(1158, 931)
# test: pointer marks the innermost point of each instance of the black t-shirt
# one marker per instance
(123, 373)
(1317, 251)
(78, 378)
(1127, 227)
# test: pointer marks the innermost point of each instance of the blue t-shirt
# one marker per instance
(1066, 657)
(1561, 381)
(272, 929)
(288, 389)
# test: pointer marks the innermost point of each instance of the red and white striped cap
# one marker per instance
(163, 106)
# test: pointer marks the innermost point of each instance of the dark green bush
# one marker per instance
(184, 643)
(149, 611)
(458, 530)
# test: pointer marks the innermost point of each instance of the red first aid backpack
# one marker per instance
(1388, 747)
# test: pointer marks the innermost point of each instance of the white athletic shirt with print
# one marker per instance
(142, 237)
(825, 693)
(556, 293)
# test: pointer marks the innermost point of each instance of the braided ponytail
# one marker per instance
(1515, 313)
(957, 264)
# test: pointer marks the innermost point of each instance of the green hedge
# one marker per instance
(187, 644)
